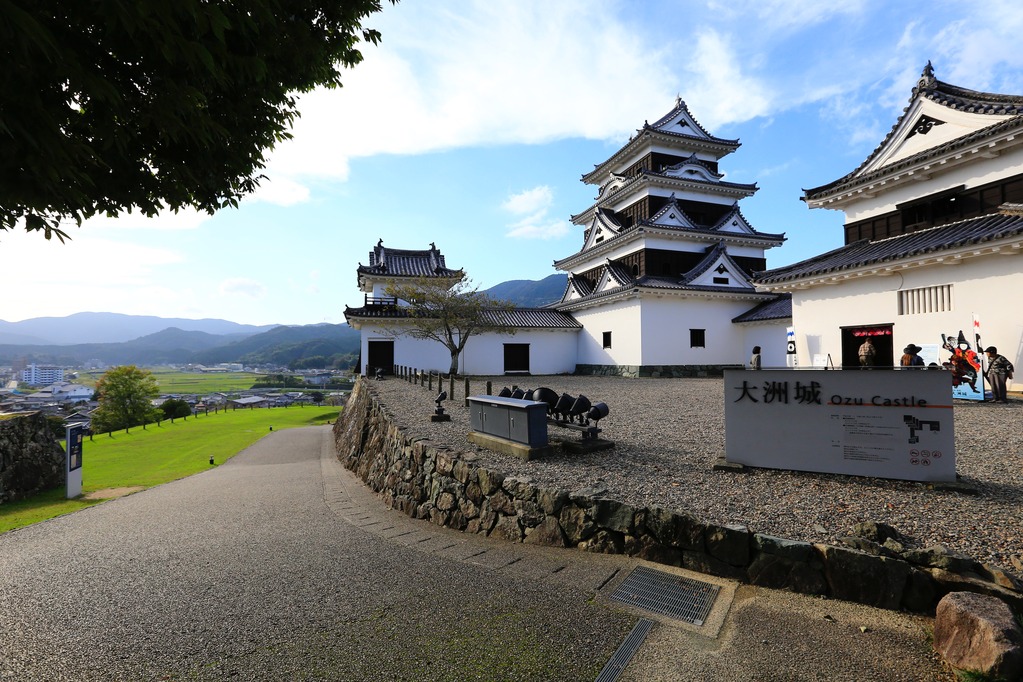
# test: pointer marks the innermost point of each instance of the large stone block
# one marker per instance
(864, 578)
(979, 633)
(31, 460)
(613, 515)
(782, 573)
(730, 544)
(548, 533)
(551, 501)
(604, 542)
(507, 528)
(674, 529)
(576, 523)
(490, 481)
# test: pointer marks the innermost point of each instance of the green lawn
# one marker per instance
(160, 454)
(175, 381)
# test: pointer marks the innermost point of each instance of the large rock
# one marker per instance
(978, 633)
(31, 460)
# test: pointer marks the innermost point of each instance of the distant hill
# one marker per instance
(285, 344)
(117, 339)
(528, 293)
(109, 328)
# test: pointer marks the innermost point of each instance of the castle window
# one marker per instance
(697, 338)
(720, 280)
(936, 299)
(607, 339)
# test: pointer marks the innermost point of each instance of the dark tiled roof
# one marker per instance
(656, 129)
(524, 318)
(778, 308)
(680, 105)
(533, 318)
(915, 244)
(947, 95)
(406, 263)
(713, 254)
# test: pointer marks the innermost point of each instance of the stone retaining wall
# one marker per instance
(31, 460)
(655, 371)
(449, 488)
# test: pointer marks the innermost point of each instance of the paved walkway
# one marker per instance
(281, 565)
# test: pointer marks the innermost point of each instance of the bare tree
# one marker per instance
(448, 313)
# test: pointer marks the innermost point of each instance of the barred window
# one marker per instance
(936, 299)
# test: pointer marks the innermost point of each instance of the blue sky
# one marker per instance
(472, 122)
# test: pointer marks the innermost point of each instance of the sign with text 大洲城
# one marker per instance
(884, 423)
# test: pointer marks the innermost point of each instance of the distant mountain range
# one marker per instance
(529, 293)
(114, 339)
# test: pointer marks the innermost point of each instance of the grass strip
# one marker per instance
(159, 454)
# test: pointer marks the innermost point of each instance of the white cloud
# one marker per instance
(242, 286)
(184, 219)
(280, 191)
(86, 273)
(539, 227)
(494, 73)
(718, 91)
(529, 201)
(534, 206)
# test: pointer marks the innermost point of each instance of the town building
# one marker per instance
(933, 241)
(661, 285)
(42, 375)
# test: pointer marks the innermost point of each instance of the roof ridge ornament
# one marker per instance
(927, 80)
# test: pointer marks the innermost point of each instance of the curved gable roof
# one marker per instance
(951, 97)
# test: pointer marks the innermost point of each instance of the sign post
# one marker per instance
(74, 460)
(888, 424)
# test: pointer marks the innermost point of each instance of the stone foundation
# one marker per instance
(31, 459)
(654, 371)
(449, 488)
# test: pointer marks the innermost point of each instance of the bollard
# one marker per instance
(490, 388)
(451, 386)
(429, 383)
(467, 391)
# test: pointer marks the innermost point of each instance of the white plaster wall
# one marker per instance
(989, 286)
(550, 351)
(665, 331)
(770, 336)
(978, 172)
(622, 319)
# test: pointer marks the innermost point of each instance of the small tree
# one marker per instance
(317, 397)
(175, 407)
(448, 313)
(125, 399)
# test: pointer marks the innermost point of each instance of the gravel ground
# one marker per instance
(668, 432)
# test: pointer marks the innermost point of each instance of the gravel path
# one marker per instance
(668, 432)
(243, 572)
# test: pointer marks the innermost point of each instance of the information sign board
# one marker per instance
(74, 460)
(884, 423)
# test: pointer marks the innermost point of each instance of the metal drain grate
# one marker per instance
(667, 594)
(616, 665)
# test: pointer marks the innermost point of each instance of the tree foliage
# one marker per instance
(449, 314)
(109, 106)
(174, 408)
(125, 399)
